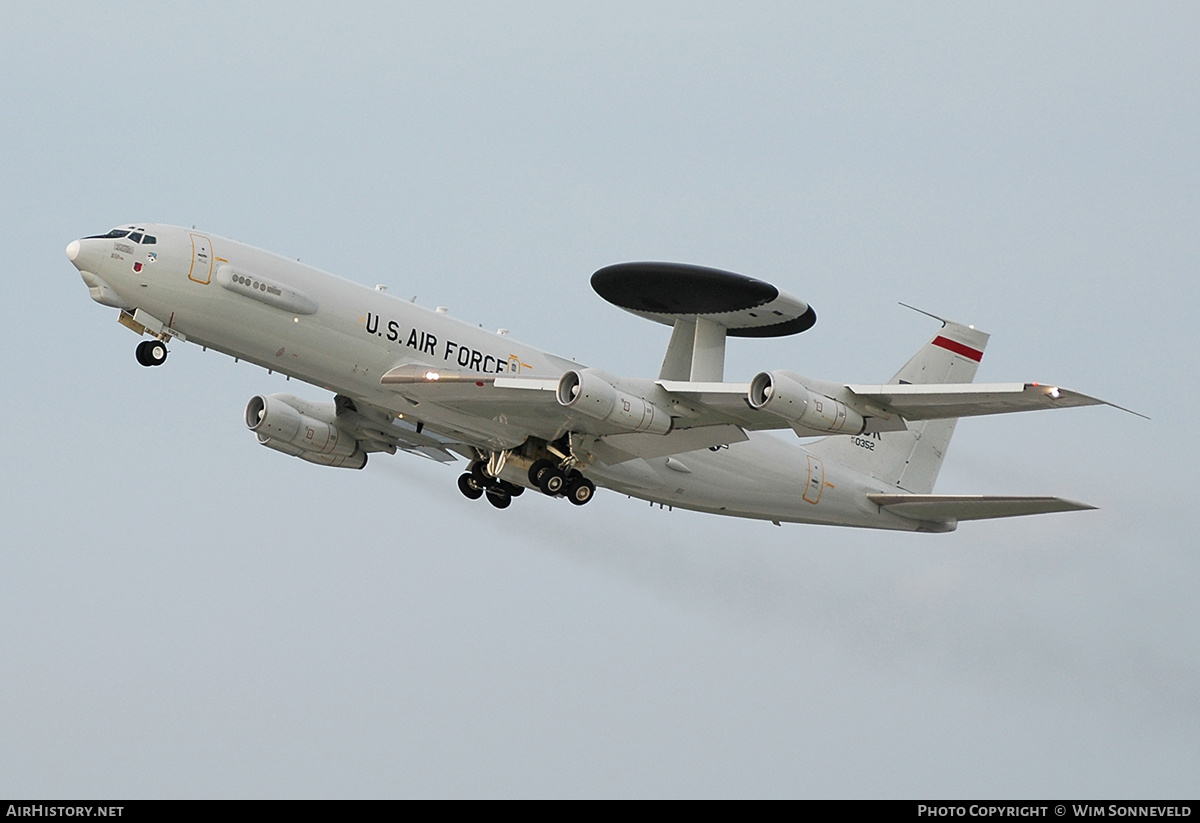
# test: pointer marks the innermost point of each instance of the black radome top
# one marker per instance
(747, 307)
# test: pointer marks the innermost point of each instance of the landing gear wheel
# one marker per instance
(552, 481)
(535, 471)
(151, 352)
(468, 486)
(581, 490)
(513, 489)
(498, 497)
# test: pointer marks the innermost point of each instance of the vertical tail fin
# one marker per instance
(910, 460)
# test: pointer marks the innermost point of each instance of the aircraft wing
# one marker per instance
(483, 408)
(971, 506)
(490, 404)
(503, 410)
(931, 401)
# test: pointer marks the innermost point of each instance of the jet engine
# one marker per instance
(284, 428)
(588, 393)
(784, 396)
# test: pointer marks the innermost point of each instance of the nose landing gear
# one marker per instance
(151, 352)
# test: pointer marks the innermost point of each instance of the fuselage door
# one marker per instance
(816, 480)
(202, 259)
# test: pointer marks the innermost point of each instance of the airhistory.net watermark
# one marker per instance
(41, 810)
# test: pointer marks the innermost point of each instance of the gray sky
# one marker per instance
(183, 613)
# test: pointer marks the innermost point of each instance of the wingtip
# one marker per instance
(1128, 411)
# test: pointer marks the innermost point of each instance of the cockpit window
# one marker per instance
(136, 237)
(149, 239)
(113, 233)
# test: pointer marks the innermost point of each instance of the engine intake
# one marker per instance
(588, 393)
(786, 397)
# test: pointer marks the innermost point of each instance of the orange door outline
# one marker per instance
(816, 481)
(202, 259)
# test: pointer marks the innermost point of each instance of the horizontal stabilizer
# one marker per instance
(971, 506)
(933, 401)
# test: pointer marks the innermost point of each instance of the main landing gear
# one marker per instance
(151, 352)
(476, 483)
(546, 475)
(553, 481)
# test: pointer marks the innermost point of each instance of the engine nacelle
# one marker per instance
(282, 427)
(588, 393)
(356, 460)
(786, 397)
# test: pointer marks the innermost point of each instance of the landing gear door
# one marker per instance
(816, 480)
(202, 259)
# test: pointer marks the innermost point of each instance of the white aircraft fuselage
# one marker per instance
(344, 337)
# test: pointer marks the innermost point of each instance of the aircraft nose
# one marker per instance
(84, 255)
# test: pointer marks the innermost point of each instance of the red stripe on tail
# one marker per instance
(958, 348)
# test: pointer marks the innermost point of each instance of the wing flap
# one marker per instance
(972, 506)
